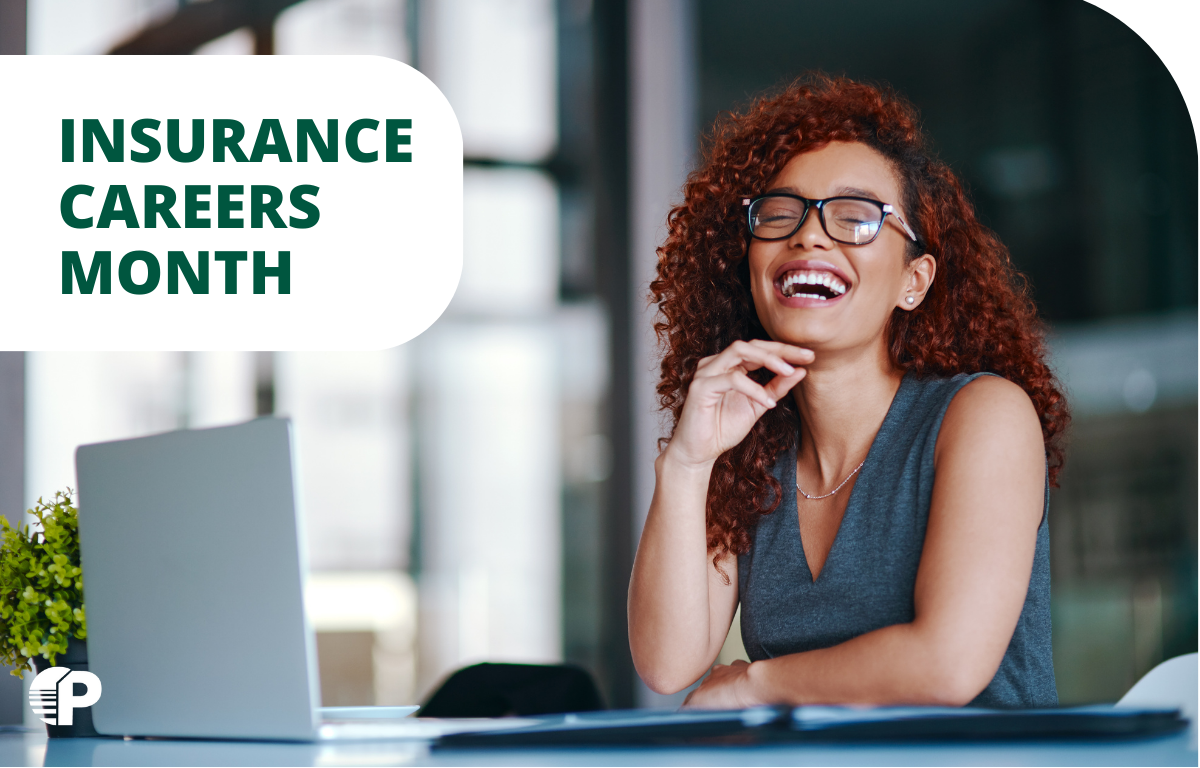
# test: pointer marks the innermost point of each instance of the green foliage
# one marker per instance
(41, 585)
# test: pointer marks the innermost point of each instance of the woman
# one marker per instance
(865, 427)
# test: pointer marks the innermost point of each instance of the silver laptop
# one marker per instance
(193, 564)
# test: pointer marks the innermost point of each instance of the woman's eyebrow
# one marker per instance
(856, 192)
(844, 191)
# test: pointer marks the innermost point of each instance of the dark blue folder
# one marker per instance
(826, 724)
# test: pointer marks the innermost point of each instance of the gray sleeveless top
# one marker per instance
(869, 575)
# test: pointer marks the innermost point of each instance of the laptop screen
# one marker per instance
(193, 582)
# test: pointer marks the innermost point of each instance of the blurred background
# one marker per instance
(477, 493)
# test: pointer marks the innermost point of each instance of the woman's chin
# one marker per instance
(809, 335)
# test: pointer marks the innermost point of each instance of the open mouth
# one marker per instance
(811, 284)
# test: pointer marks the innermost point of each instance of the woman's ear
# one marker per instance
(916, 283)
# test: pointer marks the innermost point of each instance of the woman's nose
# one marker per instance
(811, 234)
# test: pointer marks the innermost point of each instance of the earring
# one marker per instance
(909, 299)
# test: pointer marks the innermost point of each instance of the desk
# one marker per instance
(34, 749)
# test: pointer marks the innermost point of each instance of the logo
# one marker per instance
(52, 694)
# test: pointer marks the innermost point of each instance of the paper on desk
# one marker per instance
(366, 713)
(421, 728)
(818, 717)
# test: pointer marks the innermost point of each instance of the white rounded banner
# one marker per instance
(225, 203)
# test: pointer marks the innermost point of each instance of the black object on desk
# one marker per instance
(828, 724)
(501, 690)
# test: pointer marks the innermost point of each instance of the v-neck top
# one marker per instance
(869, 576)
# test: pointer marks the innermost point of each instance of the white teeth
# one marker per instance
(826, 279)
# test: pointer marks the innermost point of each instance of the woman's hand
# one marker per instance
(726, 687)
(680, 606)
(723, 402)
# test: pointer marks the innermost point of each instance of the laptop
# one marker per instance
(193, 556)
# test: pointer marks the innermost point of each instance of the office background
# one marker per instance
(477, 493)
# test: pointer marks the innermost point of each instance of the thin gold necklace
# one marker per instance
(835, 490)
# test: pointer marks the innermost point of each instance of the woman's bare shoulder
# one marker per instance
(993, 414)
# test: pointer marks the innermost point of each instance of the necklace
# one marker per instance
(835, 490)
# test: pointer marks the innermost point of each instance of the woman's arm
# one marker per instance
(987, 504)
(678, 603)
(680, 607)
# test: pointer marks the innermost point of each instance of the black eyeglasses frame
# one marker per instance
(885, 210)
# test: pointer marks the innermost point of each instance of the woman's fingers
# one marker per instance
(723, 402)
(740, 382)
(711, 389)
(780, 385)
(739, 357)
(750, 355)
(790, 352)
(778, 358)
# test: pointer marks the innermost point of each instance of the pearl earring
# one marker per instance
(909, 299)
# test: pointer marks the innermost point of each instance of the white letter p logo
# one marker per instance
(54, 689)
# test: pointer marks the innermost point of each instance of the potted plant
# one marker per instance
(42, 618)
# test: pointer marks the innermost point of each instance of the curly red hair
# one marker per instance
(977, 316)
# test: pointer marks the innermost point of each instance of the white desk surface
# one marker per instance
(34, 749)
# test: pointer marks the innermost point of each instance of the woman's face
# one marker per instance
(787, 276)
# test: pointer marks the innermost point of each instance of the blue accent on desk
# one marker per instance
(28, 749)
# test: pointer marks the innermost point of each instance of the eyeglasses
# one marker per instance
(849, 220)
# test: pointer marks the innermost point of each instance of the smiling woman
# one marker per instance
(836, 320)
